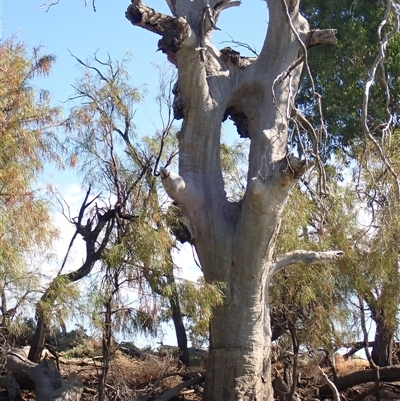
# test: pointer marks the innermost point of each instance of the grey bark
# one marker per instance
(235, 242)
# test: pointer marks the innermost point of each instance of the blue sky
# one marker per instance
(69, 26)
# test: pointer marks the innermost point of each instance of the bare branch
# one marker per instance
(241, 44)
(175, 390)
(227, 4)
(174, 30)
(147, 396)
(335, 392)
(306, 125)
(90, 67)
(304, 258)
(49, 4)
(173, 183)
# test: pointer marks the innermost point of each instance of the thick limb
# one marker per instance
(303, 258)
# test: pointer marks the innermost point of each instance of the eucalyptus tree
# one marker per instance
(362, 28)
(235, 240)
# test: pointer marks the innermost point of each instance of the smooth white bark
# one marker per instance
(235, 242)
(303, 258)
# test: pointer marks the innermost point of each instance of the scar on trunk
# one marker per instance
(234, 57)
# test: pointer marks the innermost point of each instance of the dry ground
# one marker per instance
(131, 378)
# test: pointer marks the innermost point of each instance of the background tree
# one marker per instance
(135, 261)
(28, 135)
(355, 90)
(371, 264)
(342, 82)
(309, 315)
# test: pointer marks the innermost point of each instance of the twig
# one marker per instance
(49, 4)
(335, 392)
(241, 44)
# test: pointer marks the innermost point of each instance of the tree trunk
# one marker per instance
(239, 357)
(99, 225)
(383, 345)
(106, 345)
(39, 339)
(177, 318)
(180, 330)
(235, 242)
(385, 321)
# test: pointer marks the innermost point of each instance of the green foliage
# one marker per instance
(345, 68)
(86, 349)
(360, 218)
(27, 122)
(28, 137)
(197, 301)
(306, 299)
(234, 168)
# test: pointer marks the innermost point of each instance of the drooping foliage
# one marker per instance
(137, 273)
(358, 117)
(28, 138)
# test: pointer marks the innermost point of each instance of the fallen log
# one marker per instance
(386, 374)
(176, 390)
(43, 378)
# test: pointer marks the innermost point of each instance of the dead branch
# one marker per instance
(321, 37)
(175, 390)
(172, 392)
(387, 374)
(335, 392)
(304, 258)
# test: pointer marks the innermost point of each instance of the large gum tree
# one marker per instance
(235, 241)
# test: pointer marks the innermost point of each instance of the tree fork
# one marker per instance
(236, 242)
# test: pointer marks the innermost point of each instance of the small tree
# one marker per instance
(27, 134)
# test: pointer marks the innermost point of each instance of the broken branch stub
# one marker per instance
(174, 30)
(321, 37)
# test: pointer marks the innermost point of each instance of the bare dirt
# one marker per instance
(131, 378)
